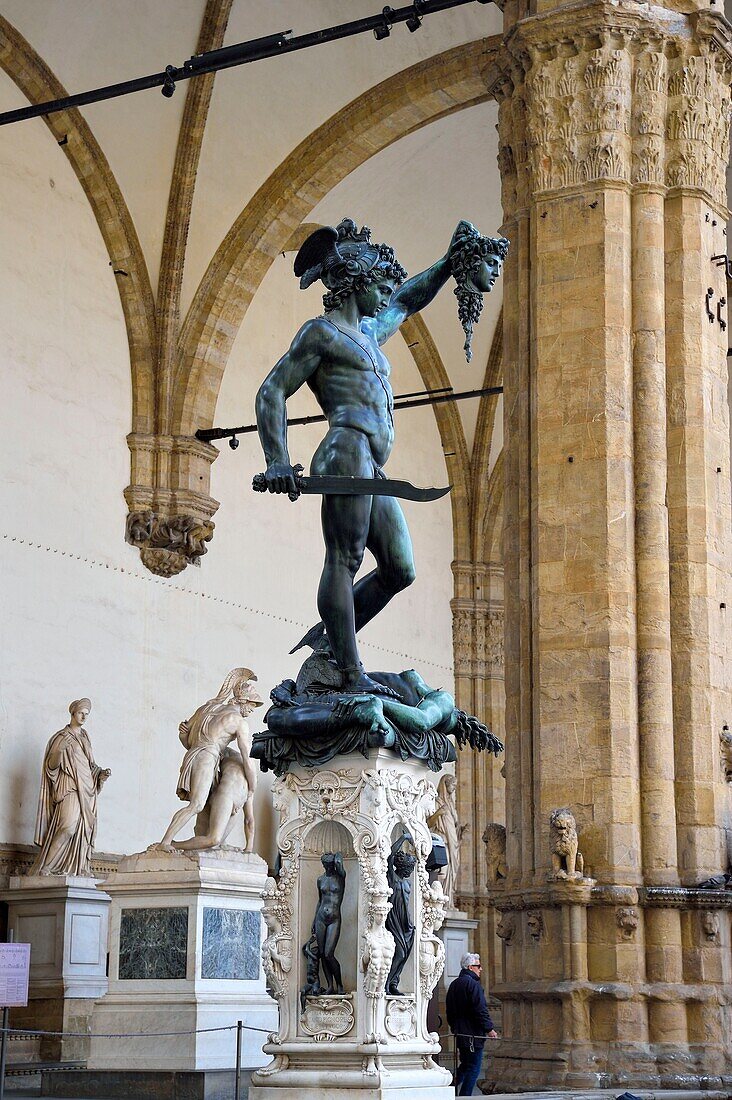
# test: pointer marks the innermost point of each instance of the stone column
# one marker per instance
(478, 655)
(612, 127)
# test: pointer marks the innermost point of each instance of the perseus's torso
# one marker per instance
(352, 387)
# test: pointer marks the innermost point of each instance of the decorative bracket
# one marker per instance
(720, 306)
(725, 262)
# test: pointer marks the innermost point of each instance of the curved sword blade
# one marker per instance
(333, 485)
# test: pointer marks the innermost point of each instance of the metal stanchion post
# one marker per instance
(237, 1078)
(3, 1052)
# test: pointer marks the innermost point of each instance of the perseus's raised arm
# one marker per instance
(412, 296)
(286, 377)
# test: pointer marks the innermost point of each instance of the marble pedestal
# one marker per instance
(362, 1043)
(65, 920)
(185, 944)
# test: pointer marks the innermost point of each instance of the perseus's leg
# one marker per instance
(389, 541)
(345, 526)
(345, 522)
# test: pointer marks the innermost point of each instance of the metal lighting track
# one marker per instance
(241, 54)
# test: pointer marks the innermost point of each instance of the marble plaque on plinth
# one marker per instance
(231, 944)
(153, 943)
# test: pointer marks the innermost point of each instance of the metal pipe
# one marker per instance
(439, 397)
(237, 1079)
(4, 1039)
(242, 53)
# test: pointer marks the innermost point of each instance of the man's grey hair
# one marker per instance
(469, 959)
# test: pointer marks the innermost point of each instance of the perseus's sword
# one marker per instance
(338, 485)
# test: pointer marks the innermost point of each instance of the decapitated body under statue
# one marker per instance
(339, 357)
(214, 780)
(66, 824)
(414, 720)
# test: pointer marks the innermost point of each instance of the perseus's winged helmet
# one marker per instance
(337, 255)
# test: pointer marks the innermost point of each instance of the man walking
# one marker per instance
(470, 1022)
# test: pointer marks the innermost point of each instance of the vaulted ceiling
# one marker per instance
(199, 175)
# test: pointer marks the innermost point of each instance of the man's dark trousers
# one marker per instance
(470, 1022)
(468, 1070)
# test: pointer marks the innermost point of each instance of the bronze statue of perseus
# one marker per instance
(338, 355)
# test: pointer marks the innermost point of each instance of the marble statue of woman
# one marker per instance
(446, 823)
(66, 824)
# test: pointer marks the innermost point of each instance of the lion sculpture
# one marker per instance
(567, 861)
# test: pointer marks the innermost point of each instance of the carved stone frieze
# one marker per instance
(462, 640)
(629, 102)
(477, 638)
(277, 948)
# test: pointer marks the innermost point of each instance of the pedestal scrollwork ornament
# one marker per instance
(431, 948)
(328, 1017)
(277, 948)
(401, 1018)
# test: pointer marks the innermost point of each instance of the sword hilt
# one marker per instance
(259, 482)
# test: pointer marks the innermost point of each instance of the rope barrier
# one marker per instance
(24, 1032)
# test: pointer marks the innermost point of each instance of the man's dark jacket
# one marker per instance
(467, 1009)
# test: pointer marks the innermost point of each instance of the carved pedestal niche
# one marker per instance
(363, 1039)
(65, 920)
(185, 943)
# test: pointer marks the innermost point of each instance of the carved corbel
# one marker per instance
(167, 546)
(170, 511)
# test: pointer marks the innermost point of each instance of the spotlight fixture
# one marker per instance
(414, 22)
(383, 30)
(168, 88)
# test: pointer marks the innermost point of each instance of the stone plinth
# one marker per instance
(362, 1042)
(65, 920)
(185, 943)
(455, 934)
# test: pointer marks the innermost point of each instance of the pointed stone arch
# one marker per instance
(30, 73)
